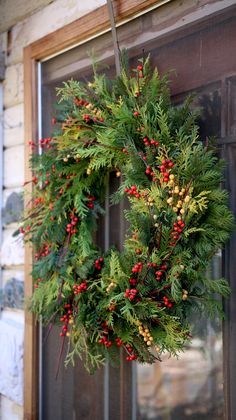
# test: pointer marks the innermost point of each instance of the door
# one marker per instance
(201, 383)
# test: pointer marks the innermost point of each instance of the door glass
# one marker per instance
(191, 387)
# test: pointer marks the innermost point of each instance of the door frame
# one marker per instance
(79, 31)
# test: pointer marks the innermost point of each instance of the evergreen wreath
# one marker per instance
(141, 298)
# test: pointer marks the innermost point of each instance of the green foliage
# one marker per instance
(178, 218)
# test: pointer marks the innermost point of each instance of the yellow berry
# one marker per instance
(157, 348)
(171, 177)
(149, 343)
(65, 160)
(185, 297)
(175, 209)
(118, 174)
(187, 199)
(88, 171)
(182, 211)
(170, 200)
(68, 334)
(71, 321)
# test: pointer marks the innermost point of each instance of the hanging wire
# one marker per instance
(114, 37)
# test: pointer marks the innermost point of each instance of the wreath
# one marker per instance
(140, 298)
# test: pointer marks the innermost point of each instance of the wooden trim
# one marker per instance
(87, 26)
(31, 328)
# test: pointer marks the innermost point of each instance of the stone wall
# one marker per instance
(19, 26)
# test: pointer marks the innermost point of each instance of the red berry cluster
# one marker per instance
(177, 230)
(43, 252)
(86, 118)
(151, 142)
(104, 336)
(130, 293)
(79, 102)
(133, 191)
(79, 288)
(65, 319)
(36, 285)
(151, 173)
(137, 268)
(133, 281)
(160, 272)
(32, 144)
(125, 151)
(91, 199)
(132, 356)
(104, 340)
(70, 228)
(98, 263)
(38, 200)
(165, 164)
(119, 342)
(45, 143)
(167, 302)
(152, 264)
(35, 180)
(27, 229)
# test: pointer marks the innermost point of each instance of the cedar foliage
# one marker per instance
(178, 219)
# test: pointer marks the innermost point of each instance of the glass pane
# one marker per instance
(231, 85)
(191, 387)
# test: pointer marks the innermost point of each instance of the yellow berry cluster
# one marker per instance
(184, 294)
(111, 285)
(177, 205)
(145, 332)
(66, 158)
(71, 322)
(149, 202)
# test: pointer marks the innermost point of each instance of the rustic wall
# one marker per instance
(19, 26)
